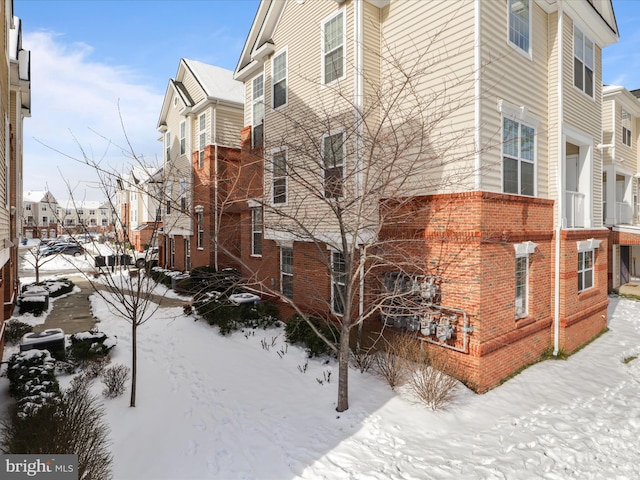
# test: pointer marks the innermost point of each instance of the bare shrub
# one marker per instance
(363, 359)
(94, 368)
(114, 379)
(432, 380)
(392, 361)
(73, 426)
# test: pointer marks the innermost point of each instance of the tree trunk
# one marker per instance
(134, 362)
(343, 369)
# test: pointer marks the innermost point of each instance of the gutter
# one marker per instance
(560, 186)
(477, 92)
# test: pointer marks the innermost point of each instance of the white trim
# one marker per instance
(588, 245)
(525, 248)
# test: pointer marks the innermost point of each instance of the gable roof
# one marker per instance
(215, 83)
(258, 43)
(38, 196)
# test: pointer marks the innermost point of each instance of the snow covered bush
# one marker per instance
(32, 381)
(73, 425)
(230, 317)
(88, 346)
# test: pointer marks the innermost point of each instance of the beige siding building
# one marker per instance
(482, 118)
(200, 123)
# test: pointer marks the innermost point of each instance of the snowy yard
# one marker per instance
(213, 407)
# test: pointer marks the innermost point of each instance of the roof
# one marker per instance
(216, 82)
(38, 196)
(217, 85)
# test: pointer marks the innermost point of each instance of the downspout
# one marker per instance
(359, 104)
(215, 187)
(477, 92)
(560, 186)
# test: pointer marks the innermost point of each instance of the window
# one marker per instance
(279, 79)
(256, 231)
(522, 286)
(92, 212)
(519, 23)
(286, 271)
(183, 137)
(279, 177)
(167, 146)
(173, 251)
(338, 282)
(333, 155)
(187, 254)
(518, 151)
(585, 270)
(626, 127)
(45, 220)
(168, 198)
(43, 208)
(27, 206)
(200, 220)
(582, 61)
(183, 196)
(257, 110)
(203, 139)
(333, 48)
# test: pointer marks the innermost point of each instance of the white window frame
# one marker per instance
(522, 286)
(202, 135)
(167, 147)
(626, 122)
(518, 156)
(183, 137)
(337, 283)
(324, 165)
(282, 177)
(200, 226)
(513, 31)
(286, 273)
(187, 253)
(257, 216)
(183, 195)
(586, 249)
(580, 54)
(585, 273)
(276, 80)
(255, 101)
(342, 46)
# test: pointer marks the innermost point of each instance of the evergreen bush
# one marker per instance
(298, 332)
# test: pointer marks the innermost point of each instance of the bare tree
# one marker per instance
(341, 175)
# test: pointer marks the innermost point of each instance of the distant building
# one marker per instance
(39, 215)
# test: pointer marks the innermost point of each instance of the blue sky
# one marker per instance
(92, 58)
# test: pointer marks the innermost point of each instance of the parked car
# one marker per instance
(143, 257)
(65, 248)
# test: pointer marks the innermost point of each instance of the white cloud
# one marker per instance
(78, 102)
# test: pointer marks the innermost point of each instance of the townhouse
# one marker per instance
(136, 207)
(200, 121)
(86, 216)
(501, 197)
(15, 106)
(39, 214)
(620, 188)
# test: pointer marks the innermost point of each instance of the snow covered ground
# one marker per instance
(244, 407)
